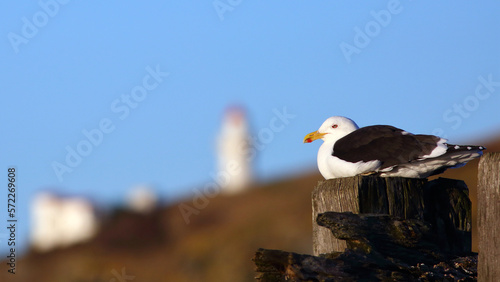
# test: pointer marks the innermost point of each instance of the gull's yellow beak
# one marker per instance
(313, 136)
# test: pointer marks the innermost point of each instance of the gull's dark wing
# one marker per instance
(385, 143)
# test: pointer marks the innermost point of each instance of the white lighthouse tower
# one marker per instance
(234, 151)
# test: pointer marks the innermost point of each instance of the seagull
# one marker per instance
(384, 150)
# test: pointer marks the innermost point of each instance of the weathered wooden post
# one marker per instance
(401, 197)
(489, 217)
(443, 203)
(394, 229)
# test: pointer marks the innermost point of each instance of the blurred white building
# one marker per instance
(142, 199)
(234, 152)
(61, 222)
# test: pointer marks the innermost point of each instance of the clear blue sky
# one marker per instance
(66, 68)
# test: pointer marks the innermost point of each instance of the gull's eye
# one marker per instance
(335, 126)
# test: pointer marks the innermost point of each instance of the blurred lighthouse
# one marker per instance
(234, 151)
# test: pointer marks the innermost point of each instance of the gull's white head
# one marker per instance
(332, 129)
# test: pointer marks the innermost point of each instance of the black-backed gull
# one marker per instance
(384, 150)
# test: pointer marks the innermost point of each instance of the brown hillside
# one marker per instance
(217, 245)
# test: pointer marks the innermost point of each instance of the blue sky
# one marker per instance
(67, 66)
